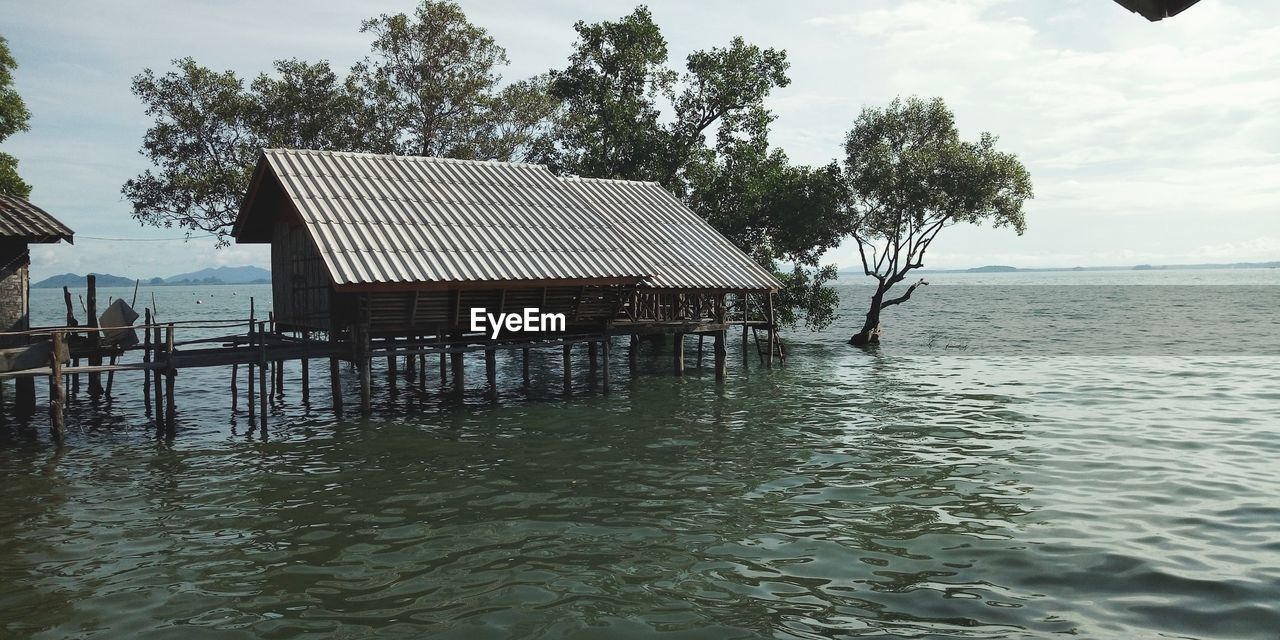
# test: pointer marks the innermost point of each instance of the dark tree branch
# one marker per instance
(905, 296)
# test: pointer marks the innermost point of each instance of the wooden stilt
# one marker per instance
(252, 346)
(171, 373)
(444, 367)
(591, 356)
(262, 375)
(746, 353)
(71, 322)
(235, 387)
(306, 372)
(146, 358)
(604, 364)
(491, 373)
(722, 337)
(773, 329)
(95, 338)
(459, 373)
(678, 353)
(701, 337)
(335, 385)
(57, 393)
(524, 366)
(568, 369)
(157, 380)
(364, 365)
(422, 365)
(111, 377)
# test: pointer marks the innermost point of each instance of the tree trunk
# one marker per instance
(870, 333)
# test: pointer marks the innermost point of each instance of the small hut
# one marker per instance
(21, 224)
(408, 246)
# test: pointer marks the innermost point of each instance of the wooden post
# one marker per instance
(235, 391)
(444, 367)
(171, 373)
(701, 336)
(568, 368)
(491, 372)
(391, 361)
(306, 371)
(772, 329)
(591, 356)
(146, 359)
(722, 337)
(253, 406)
(335, 385)
(604, 362)
(364, 364)
(745, 351)
(422, 364)
(158, 393)
(111, 377)
(678, 355)
(95, 338)
(71, 322)
(410, 364)
(525, 366)
(261, 336)
(57, 393)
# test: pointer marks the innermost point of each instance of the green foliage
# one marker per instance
(13, 118)
(910, 176)
(203, 143)
(612, 125)
(429, 87)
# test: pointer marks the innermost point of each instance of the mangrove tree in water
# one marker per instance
(910, 176)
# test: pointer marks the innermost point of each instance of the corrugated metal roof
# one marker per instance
(681, 250)
(380, 219)
(21, 219)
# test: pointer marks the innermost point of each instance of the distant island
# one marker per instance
(1000, 268)
(219, 275)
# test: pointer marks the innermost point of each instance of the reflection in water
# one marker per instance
(930, 495)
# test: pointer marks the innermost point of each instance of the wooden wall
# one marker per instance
(14, 289)
(300, 290)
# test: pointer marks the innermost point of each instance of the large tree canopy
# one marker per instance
(13, 118)
(910, 176)
(428, 87)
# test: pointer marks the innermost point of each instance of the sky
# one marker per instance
(1147, 142)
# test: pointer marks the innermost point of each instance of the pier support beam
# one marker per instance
(262, 375)
(773, 329)
(633, 353)
(171, 374)
(335, 385)
(722, 337)
(459, 373)
(524, 366)
(364, 363)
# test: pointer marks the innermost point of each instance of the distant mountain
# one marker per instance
(992, 268)
(76, 281)
(222, 275)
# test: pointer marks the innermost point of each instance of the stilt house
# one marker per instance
(408, 246)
